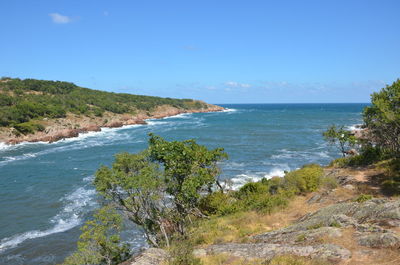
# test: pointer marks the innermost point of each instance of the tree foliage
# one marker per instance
(341, 138)
(99, 242)
(160, 188)
(382, 118)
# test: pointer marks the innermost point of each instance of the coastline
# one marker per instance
(74, 125)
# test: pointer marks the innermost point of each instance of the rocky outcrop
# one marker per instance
(150, 256)
(376, 215)
(298, 237)
(330, 252)
(379, 240)
(370, 222)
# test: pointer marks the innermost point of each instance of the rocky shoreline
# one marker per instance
(73, 125)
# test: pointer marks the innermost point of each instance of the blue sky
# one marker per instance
(219, 51)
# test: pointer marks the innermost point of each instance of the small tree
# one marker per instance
(341, 138)
(382, 118)
(99, 242)
(160, 188)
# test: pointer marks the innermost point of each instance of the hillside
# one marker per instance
(349, 219)
(39, 110)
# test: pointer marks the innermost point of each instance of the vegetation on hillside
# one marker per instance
(23, 103)
(381, 141)
(382, 118)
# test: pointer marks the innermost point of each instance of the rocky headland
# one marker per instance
(73, 125)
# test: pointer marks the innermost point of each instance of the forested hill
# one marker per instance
(24, 101)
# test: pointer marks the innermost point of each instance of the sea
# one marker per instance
(46, 190)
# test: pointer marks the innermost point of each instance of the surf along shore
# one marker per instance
(73, 125)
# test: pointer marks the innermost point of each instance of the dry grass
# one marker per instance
(223, 259)
(364, 255)
(240, 226)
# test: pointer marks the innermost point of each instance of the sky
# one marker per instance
(214, 50)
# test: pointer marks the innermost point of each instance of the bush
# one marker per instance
(265, 203)
(99, 242)
(391, 186)
(181, 253)
(29, 127)
(253, 188)
(218, 203)
(363, 198)
(306, 179)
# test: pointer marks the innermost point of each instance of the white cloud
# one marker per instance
(236, 84)
(60, 19)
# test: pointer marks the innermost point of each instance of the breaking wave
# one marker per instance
(239, 180)
(76, 204)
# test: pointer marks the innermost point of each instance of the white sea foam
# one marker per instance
(9, 159)
(76, 203)
(81, 136)
(354, 127)
(157, 122)
(7, 147)
(229, 110)
(179, 116)
(4, 146)
(241, 179)
(305, 155)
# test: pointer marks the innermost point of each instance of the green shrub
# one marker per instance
(363, 198)
(28, 127)
(266, 203)
(339, 162)
(218, 203)
(368, 155)
(100, 242)
(306, 179)
(181, 253)
(98, 112)
(315, 226)
(335, 224)
(391, 186)
(253, 188)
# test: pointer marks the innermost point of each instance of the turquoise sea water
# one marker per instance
(46, 191)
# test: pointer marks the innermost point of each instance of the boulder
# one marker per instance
(379, 240)
(150, 256)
